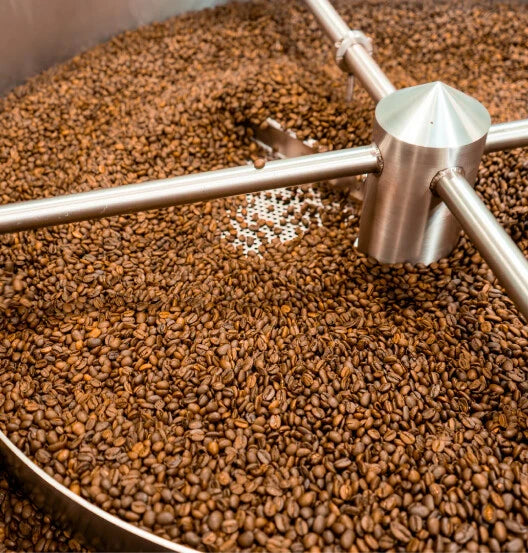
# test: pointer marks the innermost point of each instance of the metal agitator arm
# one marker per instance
(496, 247)
(506, 136)
(187, 189)
(352, 50)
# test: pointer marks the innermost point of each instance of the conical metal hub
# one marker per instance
(433, 115)
(419, 131)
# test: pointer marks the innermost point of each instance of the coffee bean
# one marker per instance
(463, 534)
(78, 428)
(245, 540)
(164, 518)
(215, 521)
(489, 513)
(433, 525)
(213, 448)
(191, 539)
(400, 532)
(229, 526)
(319, 524)
(306, 499)
(479, 480)
(149, 518)
(514, 546)
(499, 531)
(224, 383)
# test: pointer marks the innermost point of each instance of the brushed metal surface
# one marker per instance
(356, 59)
(433, 115)
(494, 244)
(284, 143)
(505, 136)
(35, 34)
(187, 189)
(419, 131)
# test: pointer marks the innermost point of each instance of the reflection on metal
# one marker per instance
(198, 187)
(506, 136)
(419, 130)
(284, 143)
(90, 524)
(357, 58)
(498, 250)
(36, 34)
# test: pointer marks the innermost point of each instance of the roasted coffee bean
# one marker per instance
(515, 545)
(479, 480)
(499, 531)
(245, 540)
(222, 383)
(400, 532)
(164, 518)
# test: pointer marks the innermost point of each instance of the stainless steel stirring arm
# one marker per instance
(187, 189)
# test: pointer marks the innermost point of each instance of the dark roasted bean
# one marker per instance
(228, 384)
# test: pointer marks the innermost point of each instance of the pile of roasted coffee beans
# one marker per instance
(302, 397)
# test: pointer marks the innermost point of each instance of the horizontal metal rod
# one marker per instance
(505, 136)
(285, 143)
(187, 189)
(496, 247)
(357, 60)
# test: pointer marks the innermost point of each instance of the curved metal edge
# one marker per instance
(36, 35)
(89, 524)
(446, 172)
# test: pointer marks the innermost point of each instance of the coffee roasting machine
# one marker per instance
(428, 141)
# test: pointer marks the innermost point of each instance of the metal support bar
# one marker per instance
(187, 189)
(285, 143)
(356, 59)
(506, 136)
(498, 250)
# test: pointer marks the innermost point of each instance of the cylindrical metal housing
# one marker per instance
(419, 131)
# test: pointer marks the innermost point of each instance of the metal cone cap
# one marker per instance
(433, 115)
